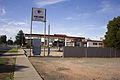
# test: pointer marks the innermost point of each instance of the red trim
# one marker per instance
(55, 35)
(84, 40)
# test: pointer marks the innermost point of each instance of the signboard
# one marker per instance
(36, 46)
(39, 14)
(84, 40)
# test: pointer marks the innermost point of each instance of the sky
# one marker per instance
(81, 18)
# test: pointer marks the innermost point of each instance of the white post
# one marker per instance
(44, 32)
(48, 38)
(31, 33)
(44, 37)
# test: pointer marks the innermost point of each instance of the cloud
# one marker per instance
(11, 22)
(3, 20)
(11, 27)
(105, 7)
(108, 7)
(84, 15)
(94, 27)
(68, 18)
(16, 23)
(79, 34)
(11, 31)
(42, 3)
(94, 31)
(2, 11)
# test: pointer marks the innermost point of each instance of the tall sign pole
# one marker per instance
(48, 38)
(45, 32)
(31, 32)
(44, 36)
(38, 14)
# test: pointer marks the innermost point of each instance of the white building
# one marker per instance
(95, 43)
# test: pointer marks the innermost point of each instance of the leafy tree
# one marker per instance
(10, 42)
(112, 37)
(3, 39)
(20, 39)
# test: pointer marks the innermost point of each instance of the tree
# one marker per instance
(3, 39)
(112, 37)
(10, 42)
(20, 39)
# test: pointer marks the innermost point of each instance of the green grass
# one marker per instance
(4, 61)
(11, 76)
(14, 50)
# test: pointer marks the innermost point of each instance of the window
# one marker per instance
(94, 43)
(100, 44)
(69, 44)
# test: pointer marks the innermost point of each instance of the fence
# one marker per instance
(91, 52)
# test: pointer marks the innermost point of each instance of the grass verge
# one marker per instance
(3, 61)
(7, 68)
(14, 50)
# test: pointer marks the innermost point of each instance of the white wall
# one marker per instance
(90, 44)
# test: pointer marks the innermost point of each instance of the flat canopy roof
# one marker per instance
(94, 41)
(55, 35)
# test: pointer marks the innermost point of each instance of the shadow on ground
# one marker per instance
(11, 54)
(47, 56)
(10, 68)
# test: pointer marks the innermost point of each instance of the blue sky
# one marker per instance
(86, 18)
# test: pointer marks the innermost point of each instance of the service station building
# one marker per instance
(57, 40)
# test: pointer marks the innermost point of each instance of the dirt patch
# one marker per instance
(6, 69)
(62, 69)
(77, 68)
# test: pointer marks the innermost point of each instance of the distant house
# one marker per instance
(95, 43)
(92, 43)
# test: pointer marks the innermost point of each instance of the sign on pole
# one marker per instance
(39, 14)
